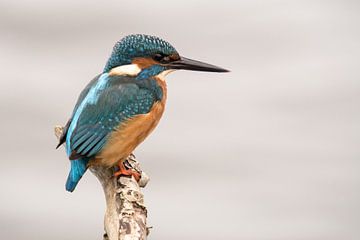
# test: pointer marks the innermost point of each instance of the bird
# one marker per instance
(121, 106)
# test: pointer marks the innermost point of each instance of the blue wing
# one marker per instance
(108, 103)
(83, 94)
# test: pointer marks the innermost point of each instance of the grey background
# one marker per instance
(268, 151)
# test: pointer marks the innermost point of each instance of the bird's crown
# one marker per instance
(135, 46)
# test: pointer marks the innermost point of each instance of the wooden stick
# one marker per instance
(125, 216)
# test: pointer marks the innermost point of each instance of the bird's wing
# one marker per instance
(97, 119)
(83, 94)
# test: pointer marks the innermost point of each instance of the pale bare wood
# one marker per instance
(125, 216)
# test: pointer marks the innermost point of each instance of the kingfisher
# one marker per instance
(121, 106)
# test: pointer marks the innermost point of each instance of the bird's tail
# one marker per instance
(78, 168)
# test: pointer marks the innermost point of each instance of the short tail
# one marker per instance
(78, 168)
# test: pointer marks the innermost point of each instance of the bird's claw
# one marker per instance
(125, 170)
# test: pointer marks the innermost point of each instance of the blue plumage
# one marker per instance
(150, 71)
(108, 102)
(78, 168)
(137, 45)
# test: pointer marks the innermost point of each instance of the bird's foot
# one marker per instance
(126, 170)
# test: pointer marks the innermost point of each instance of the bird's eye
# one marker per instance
(161, 58)
(158, 57)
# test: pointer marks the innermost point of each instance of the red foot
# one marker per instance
(127, 172)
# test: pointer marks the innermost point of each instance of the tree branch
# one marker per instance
(125, 216)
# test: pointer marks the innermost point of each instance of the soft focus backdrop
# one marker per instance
(269, 151)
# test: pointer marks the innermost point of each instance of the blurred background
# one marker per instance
(269, 151)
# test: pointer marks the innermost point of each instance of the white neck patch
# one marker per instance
(134, 70)
(129, 70)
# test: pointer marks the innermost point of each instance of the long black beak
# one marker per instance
(189, 64)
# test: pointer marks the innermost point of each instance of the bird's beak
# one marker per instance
(189, 64)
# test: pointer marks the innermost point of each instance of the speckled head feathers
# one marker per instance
(137, 45)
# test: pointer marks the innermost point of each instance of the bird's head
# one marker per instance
(145, 56)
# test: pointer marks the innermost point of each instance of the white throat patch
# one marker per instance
(163, 74)
(129, 70)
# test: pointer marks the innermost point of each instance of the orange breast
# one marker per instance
(131, 133)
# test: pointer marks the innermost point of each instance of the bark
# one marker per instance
(125, 216)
